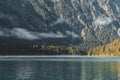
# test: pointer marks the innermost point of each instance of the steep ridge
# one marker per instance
(89, 23)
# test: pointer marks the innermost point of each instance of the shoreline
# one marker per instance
(59, 58)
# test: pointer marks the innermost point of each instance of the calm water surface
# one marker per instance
(59, 70)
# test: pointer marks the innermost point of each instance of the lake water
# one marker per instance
(59, 68)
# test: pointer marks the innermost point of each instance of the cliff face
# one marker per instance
(112, 49)
(91, 22)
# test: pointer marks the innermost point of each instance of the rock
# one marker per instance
(45, 16)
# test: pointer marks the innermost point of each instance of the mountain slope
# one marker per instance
(112, 49)
(89, 23)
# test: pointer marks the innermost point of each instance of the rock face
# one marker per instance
(91, 22)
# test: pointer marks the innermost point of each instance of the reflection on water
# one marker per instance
(23, 71)
(59, 70)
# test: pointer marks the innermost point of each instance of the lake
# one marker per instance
(59, 68)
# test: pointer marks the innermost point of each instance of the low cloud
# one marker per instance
(103, 21)
(18, 32)
(22, 33)
(51, 35)
(59, 20)
(72, 34)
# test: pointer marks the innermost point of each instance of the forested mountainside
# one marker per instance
(111, 49)
(85, 23)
